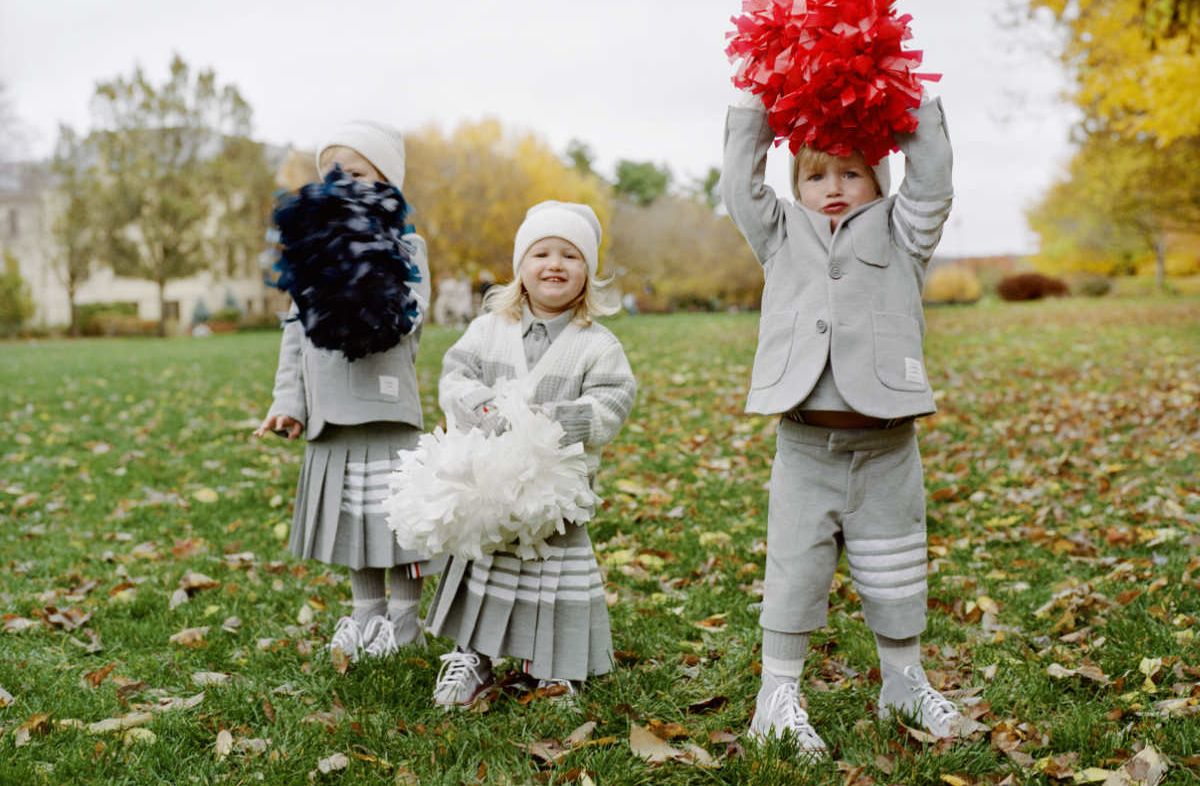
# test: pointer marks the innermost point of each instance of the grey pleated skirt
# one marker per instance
(344, 480)
(549, 613)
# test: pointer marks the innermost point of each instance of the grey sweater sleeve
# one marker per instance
(751, 203)
(288, 397)
(923, 203)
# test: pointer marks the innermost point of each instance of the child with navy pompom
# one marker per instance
(357, 413)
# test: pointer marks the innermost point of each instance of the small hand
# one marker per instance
(283, 425)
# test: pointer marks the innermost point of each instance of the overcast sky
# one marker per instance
(637, 79)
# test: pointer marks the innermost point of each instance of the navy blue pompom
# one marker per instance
(346, 264)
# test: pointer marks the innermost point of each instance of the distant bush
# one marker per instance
(1030, 286)
(227, 314)
(107, 319)
(952, 284)
(262, 321)
(1094, 286)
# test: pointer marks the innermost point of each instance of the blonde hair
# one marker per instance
(598, 299)
(808, 160)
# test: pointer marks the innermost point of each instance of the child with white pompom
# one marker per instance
(548, 613)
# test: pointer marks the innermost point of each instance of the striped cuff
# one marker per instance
(576, 420)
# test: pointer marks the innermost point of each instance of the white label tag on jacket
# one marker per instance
(913, 371)
(389, 386)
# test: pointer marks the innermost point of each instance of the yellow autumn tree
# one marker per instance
(470, 188)
(1136, 63)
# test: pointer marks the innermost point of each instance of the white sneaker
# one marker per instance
(347, 637)
(783, 717)
(928, 709)
(463, 676)
(379, 637)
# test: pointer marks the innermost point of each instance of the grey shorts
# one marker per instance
(857, 489)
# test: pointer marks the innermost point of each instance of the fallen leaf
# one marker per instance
(178, 598)
(205, 495)
(581, 734)
(6, 698)
(714, 704)
(190, 637)
(139, 735)
(1147, 768)
(667, 731)
(647, 746)
(334, 763)
(35, 724)
(127, 721)
(203, 679)
(224, 744)
(192, 582)
(93, 678)
(15, 624)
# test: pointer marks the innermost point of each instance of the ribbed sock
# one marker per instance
(783, 660)
(367, 594)
(403, 605)
(896, 655)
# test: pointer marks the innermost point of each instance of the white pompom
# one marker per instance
(467, 493)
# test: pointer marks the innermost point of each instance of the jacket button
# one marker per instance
(822, 326)
(835, 272)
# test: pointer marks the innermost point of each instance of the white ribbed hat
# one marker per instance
(574, 222)
(379, 143)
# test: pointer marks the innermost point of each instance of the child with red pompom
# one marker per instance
(839, 359)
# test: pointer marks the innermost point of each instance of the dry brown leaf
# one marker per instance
(34, 724)
(1147, 768)
(139, 735)
(178, 598)
(581, 734)
(190, 637)
(127, 721)
(254, 745)
(667, 731)
(6, 698)
(714, 704)
(341, 661)
(93, 678)
(334, 763)
(224, 744)
(406, 777)
(204, 679)
(648, 746)
(17, 624)
(192, 582)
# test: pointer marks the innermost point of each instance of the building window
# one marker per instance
(171, 311)
(14, 224)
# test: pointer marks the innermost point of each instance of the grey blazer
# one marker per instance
(318, 386)
(853, 300)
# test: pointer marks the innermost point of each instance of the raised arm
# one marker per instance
(923, 203)
(751, 203)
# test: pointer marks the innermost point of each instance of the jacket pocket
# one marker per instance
(377, 377)
(775, 335)
(899, 362)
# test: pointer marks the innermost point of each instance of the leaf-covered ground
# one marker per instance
(155, 630)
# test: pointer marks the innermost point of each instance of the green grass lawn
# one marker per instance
(1064, 523)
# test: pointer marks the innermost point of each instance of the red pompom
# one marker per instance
(832, 74)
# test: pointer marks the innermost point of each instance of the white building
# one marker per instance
(26, 218)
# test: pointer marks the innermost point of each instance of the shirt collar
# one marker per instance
(554, 325)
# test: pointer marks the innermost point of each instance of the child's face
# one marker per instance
(352, 163)
(838, 187)
(553, 272)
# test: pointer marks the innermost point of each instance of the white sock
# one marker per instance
(783, 661)
(895, 656)
(367, 594)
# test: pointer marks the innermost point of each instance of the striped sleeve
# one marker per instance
(461, 388)
(923, 203)
(606, 398)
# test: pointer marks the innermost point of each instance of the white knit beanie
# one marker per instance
(379, 143)
(882, 172)
(573, 222)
